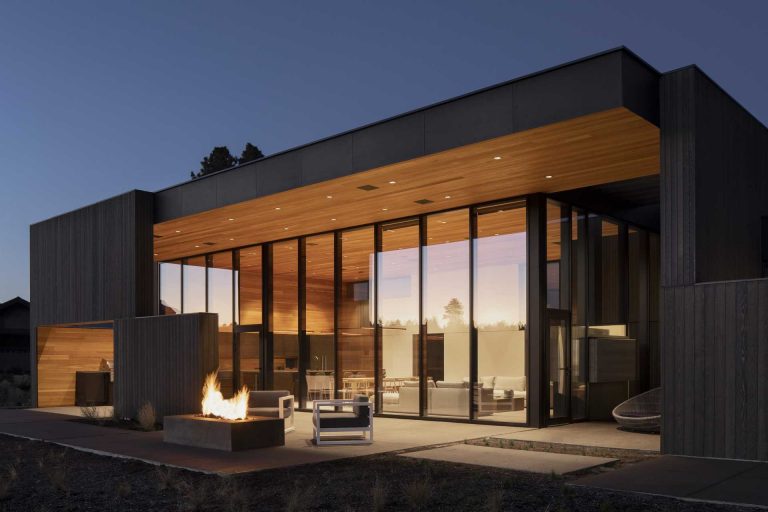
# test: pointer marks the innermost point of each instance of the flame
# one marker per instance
(214, 404)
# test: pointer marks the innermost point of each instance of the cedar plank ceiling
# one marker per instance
(604, 147)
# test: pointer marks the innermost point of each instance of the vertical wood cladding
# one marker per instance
(715, 402)
(714, 310)
(92, 264)
(163, 360)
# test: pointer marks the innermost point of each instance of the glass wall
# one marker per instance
(500, 312)
(356, 328)
(398, 301)
(220, 301)
(285, 316)
(446, 313)
(194, 284)
(248, 309)
(319, 288)
(170, 288)
(429, 292)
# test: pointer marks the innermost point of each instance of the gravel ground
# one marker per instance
(41, 476)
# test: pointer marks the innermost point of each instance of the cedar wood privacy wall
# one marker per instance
(92, 264)
(714, 335)
(163, 360)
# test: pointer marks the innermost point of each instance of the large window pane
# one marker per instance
(249, 307)
(500, 312)
(556, 238)
(220, 299)
(398, 300)
(170, 288)
(607, 260)
(319, 295)
(285, 316)
(355, 329)
(446, 313)
(194, 285)
(578, 314)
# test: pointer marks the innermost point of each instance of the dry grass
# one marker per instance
(233, 496)
(167, 478)
(496, 500)
(90, 412)
(146, 417)
(193, 497)
(378, 495)
(123, 489)
(418, 492)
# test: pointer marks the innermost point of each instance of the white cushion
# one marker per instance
(510, 383)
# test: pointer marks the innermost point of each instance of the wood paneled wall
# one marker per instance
(714, 335)
(92, 264)
(715, 358)
(62, 351)
(163, 360)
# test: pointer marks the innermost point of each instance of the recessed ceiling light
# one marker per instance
(447, 197)
(155, 254)
(178, 231)
(329, 197)
(333, 218)
(277, 207)
(495, 234)
(549, 177)
(497, 158)
(231, 239)
(285, 229)
(392, 182)
(230, 218)
(197, 247)
(384, 209)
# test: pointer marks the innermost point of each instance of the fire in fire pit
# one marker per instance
(215, 405)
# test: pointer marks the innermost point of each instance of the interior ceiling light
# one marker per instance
(230, 218)
(285, 229)
(447, 197)
(384, 209)
(329, 197)
(497, 158)
(231, 239)
(197, 247)
(549, 177)
(178, 231)
(392, 182)
(277, 207)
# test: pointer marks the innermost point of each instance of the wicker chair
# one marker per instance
(641, 412)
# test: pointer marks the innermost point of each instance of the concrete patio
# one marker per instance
(391, 436)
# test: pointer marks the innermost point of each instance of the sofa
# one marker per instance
(443, 398)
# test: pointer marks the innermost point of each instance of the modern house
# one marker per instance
(531, 253)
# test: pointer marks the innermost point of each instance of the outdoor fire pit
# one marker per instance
(224, 424)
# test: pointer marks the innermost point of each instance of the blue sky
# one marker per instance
(100, 98)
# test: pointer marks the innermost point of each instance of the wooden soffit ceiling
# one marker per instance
(608, 146)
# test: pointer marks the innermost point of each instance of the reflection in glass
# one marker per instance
(557, 231)
(446, 313)
(194, 285)
(607, 315)
(319, 317)
(248, 309)
(355, 329)
(500, 277)
(220, 299)
(398, 300)
(557, 339)
(578, 314)
(285, 316)
(170, 288)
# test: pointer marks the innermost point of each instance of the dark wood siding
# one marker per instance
(163, 360)
(92, 264)
(714, 307)
(715, 400)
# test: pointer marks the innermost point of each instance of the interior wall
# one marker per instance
(62, 351)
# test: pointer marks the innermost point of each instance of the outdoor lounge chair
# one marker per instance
(641, 412)
(273, 404)
(359, 420)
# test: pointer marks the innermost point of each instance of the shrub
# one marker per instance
(166, 478)
(146, 417)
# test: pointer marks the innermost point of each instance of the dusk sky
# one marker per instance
(100, 98)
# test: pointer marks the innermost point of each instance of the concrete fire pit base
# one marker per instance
(227, 435)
